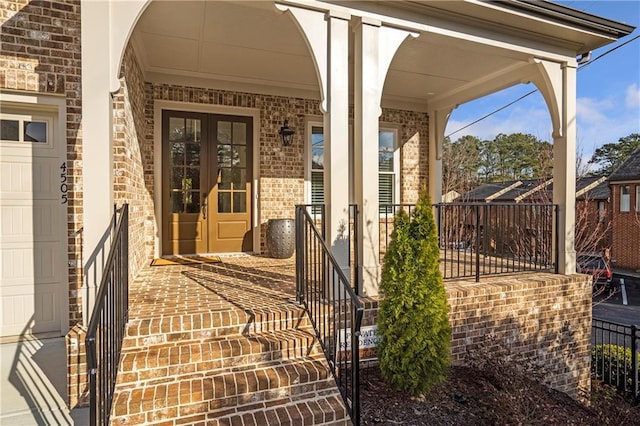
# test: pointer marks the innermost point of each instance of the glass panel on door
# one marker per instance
(184, 179)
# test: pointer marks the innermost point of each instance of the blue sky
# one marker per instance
(608, 93)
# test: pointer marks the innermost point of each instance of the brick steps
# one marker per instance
(217, 394)
(211, 355)
(145, 332)
(247, 363)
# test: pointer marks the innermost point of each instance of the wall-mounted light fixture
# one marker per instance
(286, 134)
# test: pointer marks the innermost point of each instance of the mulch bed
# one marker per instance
(473, 397)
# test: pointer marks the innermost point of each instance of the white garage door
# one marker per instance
(33, 247)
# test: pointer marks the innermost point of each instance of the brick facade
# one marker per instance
(132, 156)
(543, 321)
(625, 229)
(40, 52)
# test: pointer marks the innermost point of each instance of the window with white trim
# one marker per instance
(388, 166)
(23, 129)
(602, 211)
(317, 165)
(625, 198)
(637, 198)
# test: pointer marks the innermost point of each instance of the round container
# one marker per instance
(281, 238)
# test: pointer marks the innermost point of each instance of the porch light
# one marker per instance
(286, 133)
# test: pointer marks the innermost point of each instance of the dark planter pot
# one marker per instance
(281, 238)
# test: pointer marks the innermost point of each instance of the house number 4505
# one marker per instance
(64, 188)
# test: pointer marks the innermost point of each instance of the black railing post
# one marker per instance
(557, 238)
(331, 312)
(106, 329)
(477, 244)
(299, 245)
(634, 361)
(356, 249)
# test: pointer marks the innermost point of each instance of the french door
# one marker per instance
(206, 184)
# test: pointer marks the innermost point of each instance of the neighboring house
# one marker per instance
(177, 109)
(592, 214)
(625, 213)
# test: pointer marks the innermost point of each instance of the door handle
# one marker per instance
(204, 205)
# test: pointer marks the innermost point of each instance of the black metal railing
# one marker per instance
(354, 260)
(478, 239)
(614, 355)
(108, 320)
(334, 309)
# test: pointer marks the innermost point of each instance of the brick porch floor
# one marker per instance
(221, 344)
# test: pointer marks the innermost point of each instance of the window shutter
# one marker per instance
(385, 181)
(317, 187)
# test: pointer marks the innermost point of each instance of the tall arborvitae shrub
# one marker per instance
(413, 320)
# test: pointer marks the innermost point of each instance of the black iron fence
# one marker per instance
(108, 320)
(333, 307)
(614, 355)
(478, 239)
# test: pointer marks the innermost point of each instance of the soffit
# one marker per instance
(231, 44)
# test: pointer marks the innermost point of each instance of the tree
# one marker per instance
(460, 162)
(611, 155)
(413, 317)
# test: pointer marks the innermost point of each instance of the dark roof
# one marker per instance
(600, 192)
(485, 190)
(629, 170)
(527, 185)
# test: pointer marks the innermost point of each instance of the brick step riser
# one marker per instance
(234, 320)
(289, 343)
(185, 371)
(138, 335)
(221, 391)
(316, 409)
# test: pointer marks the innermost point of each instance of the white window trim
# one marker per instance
(317, 122)
(308, 152)
(625, 199)
(637, 198)
(602, 211)
(396, 163)
(21, 118)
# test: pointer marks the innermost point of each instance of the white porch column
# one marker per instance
(336, 126)
(374, 49)
(97, 159)
(557, 84)
(327, 36)
(564, 173)
(437, 124)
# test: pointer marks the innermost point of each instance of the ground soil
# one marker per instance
(475, 397)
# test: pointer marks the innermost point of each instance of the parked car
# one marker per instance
(595, 265)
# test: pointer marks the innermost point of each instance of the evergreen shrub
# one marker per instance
(413, 322)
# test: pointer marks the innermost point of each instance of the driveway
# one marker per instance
(613, 307)
(33, 384)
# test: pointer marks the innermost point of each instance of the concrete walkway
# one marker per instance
(33, 384)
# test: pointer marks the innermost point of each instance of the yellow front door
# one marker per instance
(206, 183)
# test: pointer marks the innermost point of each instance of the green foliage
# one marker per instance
(413, 318)
(613, 365)
(611, 155)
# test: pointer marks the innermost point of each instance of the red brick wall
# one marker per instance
(132, 156)
(281, 183)
(542, 321)
(625, 230)
(593, 235)
(40, 52)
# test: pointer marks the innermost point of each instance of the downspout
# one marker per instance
(584, 58)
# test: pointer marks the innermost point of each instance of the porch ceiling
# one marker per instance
(250, 46)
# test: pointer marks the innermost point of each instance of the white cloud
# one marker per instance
(599, 120)
(632, 99)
